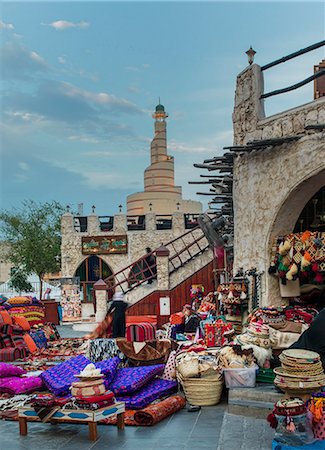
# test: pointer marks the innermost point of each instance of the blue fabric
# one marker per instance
(108, 368)
(130, 379)
(39, 338)
(318, 445)
(152, 391)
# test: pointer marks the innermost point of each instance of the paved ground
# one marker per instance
(210, 428)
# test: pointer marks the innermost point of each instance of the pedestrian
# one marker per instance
(150, 267)
(117, 309)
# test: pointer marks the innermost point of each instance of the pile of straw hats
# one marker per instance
(301, 371)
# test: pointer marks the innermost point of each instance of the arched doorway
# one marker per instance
(91, 270)
(312, 217)
(297, 213)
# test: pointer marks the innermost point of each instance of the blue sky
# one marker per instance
(79, 82)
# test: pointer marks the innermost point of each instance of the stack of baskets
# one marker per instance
(200, 378)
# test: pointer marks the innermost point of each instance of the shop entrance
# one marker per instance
(91, 270)
(312, 217)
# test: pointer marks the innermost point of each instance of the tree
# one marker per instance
(18, 280)
(33, 237)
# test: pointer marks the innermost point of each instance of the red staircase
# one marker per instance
(181, 250)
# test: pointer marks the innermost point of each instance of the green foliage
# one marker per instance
(18, 280)
(33, 236)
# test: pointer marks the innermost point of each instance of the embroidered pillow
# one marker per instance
(9, 370)
(32, 347)
(108, 368)
(130, 379)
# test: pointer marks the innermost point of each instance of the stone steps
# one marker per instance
(255, 402)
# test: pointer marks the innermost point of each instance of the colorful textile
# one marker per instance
(59, 378)
(12, 353)
(17, 385)
(39, 338)
(130, 379)
(152, 391)
(8, 370)
(140, 332)
(100, 349)
(108, 368)
(170, 368)
(159, 411)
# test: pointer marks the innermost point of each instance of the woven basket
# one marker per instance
(205, 391)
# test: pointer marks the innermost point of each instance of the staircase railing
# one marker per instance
(181, 250)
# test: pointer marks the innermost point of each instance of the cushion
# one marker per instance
(170, 368)
(8, 370)
(108, 368)
(130, 379)
(23, 385)
(140, 332)
(6, 317)
(20, 300)
(32, 347)
(153, 391)
(59, 378)
(39, 338)
(22, 322)
(13, 353)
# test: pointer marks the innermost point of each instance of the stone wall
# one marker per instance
(272, 186)
(249, 121)
(72, 257)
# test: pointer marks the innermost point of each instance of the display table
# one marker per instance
(75, 416)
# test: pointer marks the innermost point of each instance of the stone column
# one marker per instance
(93, 225)
(119, 226)
(162, 260)
(150, 222)
(178, 222)
(249, 108)
(100, 288)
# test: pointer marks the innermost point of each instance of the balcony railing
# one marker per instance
(106, 223)
(136, 222)
(164, 222)
(191, 221)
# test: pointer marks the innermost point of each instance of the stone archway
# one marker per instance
(285, 220)
(90, 270)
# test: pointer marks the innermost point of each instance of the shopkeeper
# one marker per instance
(192, 320)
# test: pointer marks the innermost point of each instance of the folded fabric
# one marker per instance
(287, 327)
(152, 391)
(157, 412)
(130, 379)
(17, 385)
(59, 378)
(39, 338)
(101, 349)
(97, 398)
(95, 405)
(108, 368)
(9, 370)
(47, 400)
(45, 413)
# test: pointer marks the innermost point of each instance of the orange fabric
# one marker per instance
(22, 322)
(6, 317)
(141, 319)
(30, 343)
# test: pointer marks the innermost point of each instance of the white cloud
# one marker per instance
(26, 116)
(206, 146)
(6, 26)
(23, 166)
(61, 25)
(100, 98)
(84, 139)
(21, 177)
(62, 60)
(36, 57)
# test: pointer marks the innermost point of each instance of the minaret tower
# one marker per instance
(160, 194)
(159, 176)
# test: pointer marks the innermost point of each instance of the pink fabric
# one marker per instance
(23, 385)
(9, 370)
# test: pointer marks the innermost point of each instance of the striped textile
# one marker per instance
(140, 332)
